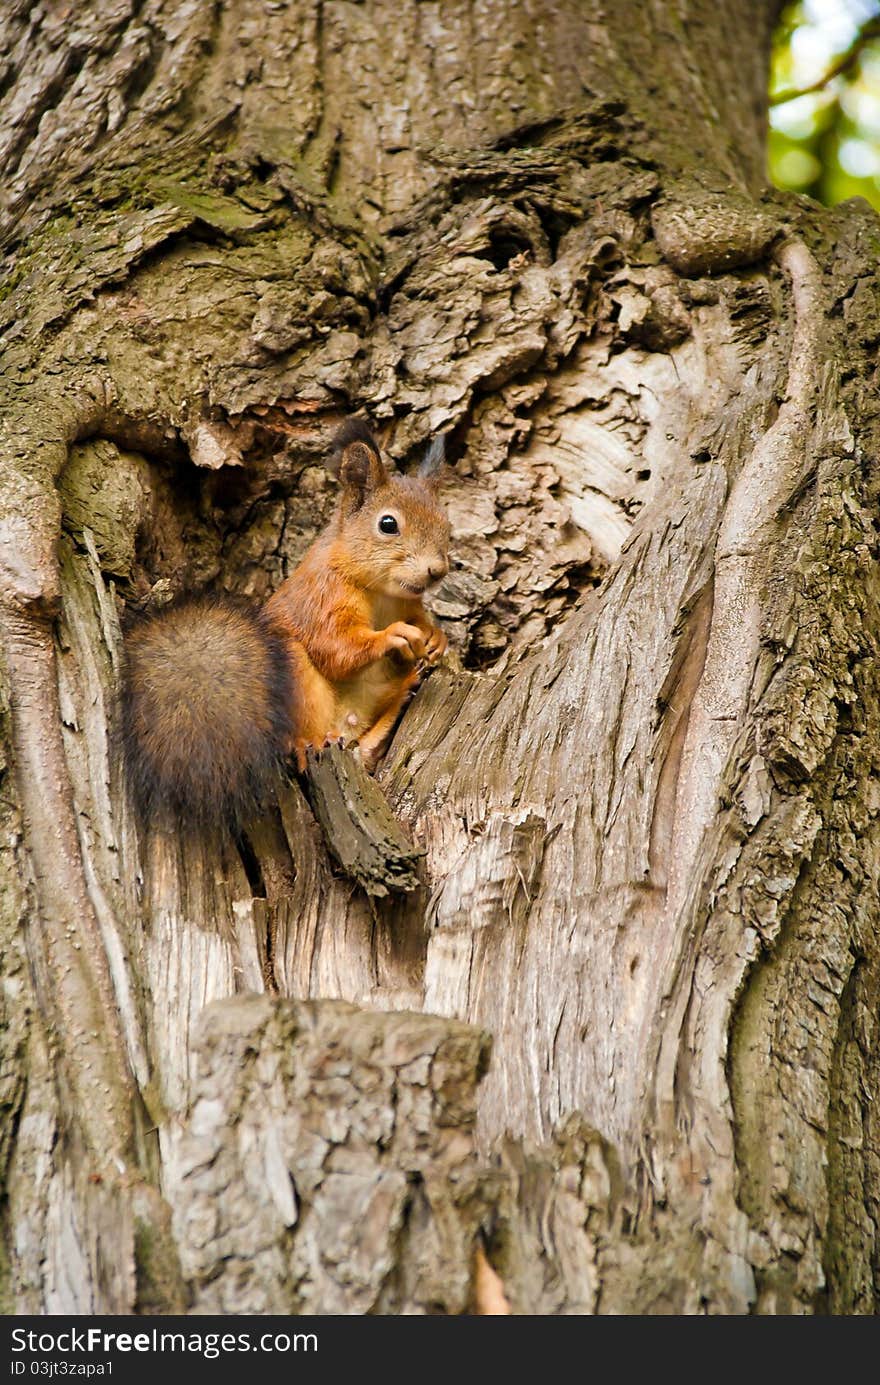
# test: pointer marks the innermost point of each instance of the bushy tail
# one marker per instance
(208, 710)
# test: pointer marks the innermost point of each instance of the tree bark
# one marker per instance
(616, 1050)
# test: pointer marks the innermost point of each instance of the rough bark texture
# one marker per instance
(645, 784)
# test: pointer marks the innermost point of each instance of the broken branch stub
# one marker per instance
(359, 827)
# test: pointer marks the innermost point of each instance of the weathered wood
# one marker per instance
(355, 1124)
(360, 829)
(646, 800)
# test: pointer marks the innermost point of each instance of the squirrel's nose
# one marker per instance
(437, 568)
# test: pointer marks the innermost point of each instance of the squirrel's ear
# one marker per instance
(358, 463)
(432, 463)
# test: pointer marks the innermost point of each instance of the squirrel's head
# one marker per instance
(396, 533)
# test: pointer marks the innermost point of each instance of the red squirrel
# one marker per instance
(217, 694)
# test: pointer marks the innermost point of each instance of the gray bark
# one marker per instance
(616, 1051)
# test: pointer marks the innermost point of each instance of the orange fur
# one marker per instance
(341, 642)
(352, 611)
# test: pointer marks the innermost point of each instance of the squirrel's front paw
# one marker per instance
(436, 645)
(405, 639)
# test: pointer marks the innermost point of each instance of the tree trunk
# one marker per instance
(617, 1051)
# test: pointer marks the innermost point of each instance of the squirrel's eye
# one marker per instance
(388, 525)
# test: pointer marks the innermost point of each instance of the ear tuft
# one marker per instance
(431, 464)
(354, 430)
(357, 459)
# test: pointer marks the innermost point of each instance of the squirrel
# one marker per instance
(218, 694)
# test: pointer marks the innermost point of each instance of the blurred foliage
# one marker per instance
(825, 100)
